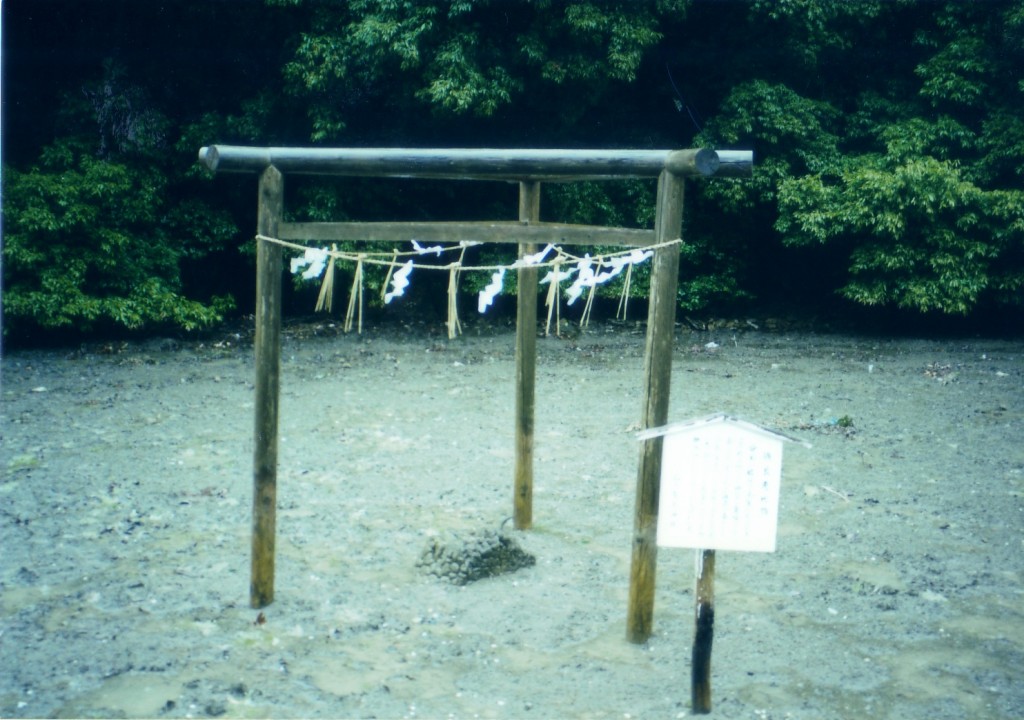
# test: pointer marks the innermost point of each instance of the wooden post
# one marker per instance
(526, 363)
(268, 388)
(657, 380)
(704, 631)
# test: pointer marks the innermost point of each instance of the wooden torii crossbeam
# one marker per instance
(528, 168)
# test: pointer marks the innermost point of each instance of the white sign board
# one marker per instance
(719, 485)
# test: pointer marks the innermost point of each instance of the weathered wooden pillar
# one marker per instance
(526, 363)
(661, 317)
(268, 388)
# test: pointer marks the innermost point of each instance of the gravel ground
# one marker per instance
(895, 592)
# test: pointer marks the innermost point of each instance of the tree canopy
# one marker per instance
(888, 138)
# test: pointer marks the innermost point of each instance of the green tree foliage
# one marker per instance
(888, 138)
(382, 58)
(924, 200)
(109, 224)
(918, 234)
(90, 241)
(908, 99)
(94, 233)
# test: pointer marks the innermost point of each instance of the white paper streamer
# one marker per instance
(584, 279)
(399, 282)
(436, 249)
(488, 293)
(588, 278)
(637, 256)
(535, 259)
(316, 258)
(562, 275)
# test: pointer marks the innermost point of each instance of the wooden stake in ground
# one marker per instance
(661, 317)
(268, 388)
(526, 364)
(704, 631)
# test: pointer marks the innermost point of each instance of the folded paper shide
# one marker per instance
(313, 259)
(488, 294)
(399, 282)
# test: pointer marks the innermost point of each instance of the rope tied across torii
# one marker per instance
(590, 272)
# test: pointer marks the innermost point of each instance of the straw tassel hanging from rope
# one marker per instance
(585, 317)
(325, 299)
(355, 298)
(620, 314)
(553, 302)
(387, 278)
(454, 326)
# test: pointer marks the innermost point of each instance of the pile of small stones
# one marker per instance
(466, 557)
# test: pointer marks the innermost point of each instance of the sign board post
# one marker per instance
(719, 490)
(703, 634)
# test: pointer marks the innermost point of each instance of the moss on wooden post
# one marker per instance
(526, 363)
(268, 388)
(657, 380)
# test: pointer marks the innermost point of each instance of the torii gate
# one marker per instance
(528, 168)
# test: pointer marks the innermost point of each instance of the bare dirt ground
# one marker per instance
(897, 590)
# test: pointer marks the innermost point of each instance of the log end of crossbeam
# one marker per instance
(208, 157)
(692, 162)
(705, 162)
(232, 158)
(735, 163)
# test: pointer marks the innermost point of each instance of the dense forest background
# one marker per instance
(888, 138)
